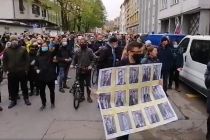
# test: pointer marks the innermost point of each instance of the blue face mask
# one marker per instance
(44, 49)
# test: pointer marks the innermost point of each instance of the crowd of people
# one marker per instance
(42, 59)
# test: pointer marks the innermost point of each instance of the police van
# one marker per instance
(196, 54)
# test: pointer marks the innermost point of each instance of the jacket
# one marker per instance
(63, 54)
(16, 60)
(166, 58)
(46, 66)
(177, 60)
(83, 58)
(106, 56)
(148, 60)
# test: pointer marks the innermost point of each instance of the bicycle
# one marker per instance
(76, 91)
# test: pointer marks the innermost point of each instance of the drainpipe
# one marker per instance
(13, 2)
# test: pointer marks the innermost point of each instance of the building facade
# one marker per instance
(148, 16)
(122, 19)
(184, 16)
(33, 13)
(132, 15)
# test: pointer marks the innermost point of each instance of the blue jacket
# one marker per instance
(166, 58)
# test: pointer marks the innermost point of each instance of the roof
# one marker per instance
(13, 23)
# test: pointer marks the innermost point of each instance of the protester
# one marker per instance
(83, 58)
(151, 56)
(176, 66)
(207, 83)
(15, 63)
(166, 57)
(46, 71)
(64, 59)
(135, 52)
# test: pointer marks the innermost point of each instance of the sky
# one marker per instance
(112, 8)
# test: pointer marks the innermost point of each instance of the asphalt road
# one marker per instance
(64, 123)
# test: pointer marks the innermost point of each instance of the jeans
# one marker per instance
(174, 76)
(63, 73)
(164, 75)
(84, 78)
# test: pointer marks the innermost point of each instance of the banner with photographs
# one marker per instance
(131, 99)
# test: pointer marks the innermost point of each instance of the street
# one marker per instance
(64, 122)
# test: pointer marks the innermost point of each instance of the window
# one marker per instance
(44, 13)
(21, 6)
(163, 4)
(175, 1)
(200, 51)
(184, 44)
(35, 9)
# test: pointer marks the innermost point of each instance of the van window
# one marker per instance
(184, 44)
(200, 51)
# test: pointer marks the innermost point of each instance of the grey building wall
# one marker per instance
(148, 16)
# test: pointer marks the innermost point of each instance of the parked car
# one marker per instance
(156, 38)
(196, 54)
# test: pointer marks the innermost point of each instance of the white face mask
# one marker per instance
(176, 46)
(64, 43)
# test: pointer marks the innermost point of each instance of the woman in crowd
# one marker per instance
(151, 56)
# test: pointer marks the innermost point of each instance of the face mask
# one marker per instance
(175, 46)
(64, 43)
(137, 58)
(83, 46)
(44, 49)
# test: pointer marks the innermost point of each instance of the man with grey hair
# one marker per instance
(16, 64)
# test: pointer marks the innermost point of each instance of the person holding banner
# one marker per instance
(135, 52)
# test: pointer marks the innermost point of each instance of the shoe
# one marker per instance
(62, 90)
(177, 89)
(169, 87)
(66, 87)
(89, 99)
(31, 93)
(1, 109)
(42, 107)
(12, 104)
(27, 102)
(82, 99)
(52, 106)
(167, 94)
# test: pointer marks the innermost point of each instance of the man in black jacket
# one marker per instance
(165, 56)
(64, 59)
(110, 54)
(176, 66)
(16, 64)
(207, 83)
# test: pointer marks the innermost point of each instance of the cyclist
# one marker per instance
(84, 58)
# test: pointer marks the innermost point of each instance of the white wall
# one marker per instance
(6, 9)
(13, 29)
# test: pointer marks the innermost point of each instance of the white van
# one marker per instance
(196, 53)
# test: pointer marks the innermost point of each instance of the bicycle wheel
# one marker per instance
(76, 98)
(94, 77)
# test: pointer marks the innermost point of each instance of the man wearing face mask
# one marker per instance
(64, 60)
(176, 67)
(99, 43)
(84, 58)
(135, 52)
(110, 54)
(16, 64)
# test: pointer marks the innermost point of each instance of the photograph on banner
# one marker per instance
(120, 98)
(157, 92)
(105, 78)
(157, 71)
(138, 119)
(105, 100)
(133, 74)
(152, 114)
(124, 121)
(110, 124)
(145, 94)
(166, 110)
(133, 97)
(146, 73)
(121, 75)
